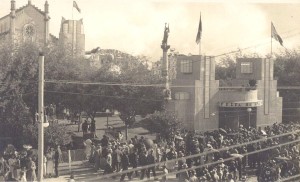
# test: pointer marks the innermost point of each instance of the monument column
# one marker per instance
(47, 18)
(165, 63)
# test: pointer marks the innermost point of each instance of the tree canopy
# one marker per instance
(73, 83)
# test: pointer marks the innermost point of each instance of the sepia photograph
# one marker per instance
(149, 90)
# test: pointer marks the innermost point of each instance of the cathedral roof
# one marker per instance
(23, 7)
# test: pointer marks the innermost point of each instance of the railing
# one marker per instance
(76, 155)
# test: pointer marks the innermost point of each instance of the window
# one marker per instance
(182, 96)
(246, 67)
(186, 66)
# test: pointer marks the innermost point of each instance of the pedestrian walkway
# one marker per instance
(83, 172)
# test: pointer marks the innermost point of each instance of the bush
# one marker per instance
(163, 122)
(55, 134)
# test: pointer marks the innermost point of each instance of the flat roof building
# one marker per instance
(202, 105)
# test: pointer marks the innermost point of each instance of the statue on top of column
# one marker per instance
(166, 34)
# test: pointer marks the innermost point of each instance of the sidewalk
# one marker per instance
(83, 172)
(77, 168)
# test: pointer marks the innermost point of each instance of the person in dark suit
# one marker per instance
(125, 165)
(143, 162)
(134, 160)
(93, 128)
(151, 160)
(56, 160)
(84, 128)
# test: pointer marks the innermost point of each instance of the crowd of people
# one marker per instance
(220, 156)
(22, 165)
(229, 163)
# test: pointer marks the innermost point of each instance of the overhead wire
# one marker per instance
(230, 88)
(16, 95)
(266, 40)
(288, 178)
(240, 49)
(126, 84)
(118, 97)
(204, 153)
(194, 156)
(228, 159)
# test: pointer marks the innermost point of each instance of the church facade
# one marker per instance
(29, 23)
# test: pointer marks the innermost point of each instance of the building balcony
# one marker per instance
(239, 98)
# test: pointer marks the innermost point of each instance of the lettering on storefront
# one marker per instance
(241, 104)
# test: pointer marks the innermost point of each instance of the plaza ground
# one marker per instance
(116, 123)
(83, 170)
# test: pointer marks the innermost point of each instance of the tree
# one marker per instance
(19, 82)
(225, 71)
(19, 72)
(286, 71)
(18, 77)
(55, 134)
(128, 95)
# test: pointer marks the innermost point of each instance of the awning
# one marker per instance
(241, 103)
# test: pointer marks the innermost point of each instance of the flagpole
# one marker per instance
(198, 38)
(73, 31)
(200, 47)
(72, 10)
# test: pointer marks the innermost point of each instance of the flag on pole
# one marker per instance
(76, 6)
(275, 35)
(198, 38)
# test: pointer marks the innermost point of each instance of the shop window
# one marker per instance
(182, 96)
(246, 67)
(186, 66)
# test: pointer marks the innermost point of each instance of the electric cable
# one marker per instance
(229, 159)
(204, 153)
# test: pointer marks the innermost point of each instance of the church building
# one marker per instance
(29, 23)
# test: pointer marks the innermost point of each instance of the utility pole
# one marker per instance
(41, 118)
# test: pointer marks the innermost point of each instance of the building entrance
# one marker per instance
(230, 117)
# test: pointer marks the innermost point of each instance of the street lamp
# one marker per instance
(249, 111)
(107, 111)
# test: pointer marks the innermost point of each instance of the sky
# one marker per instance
(137, 26)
